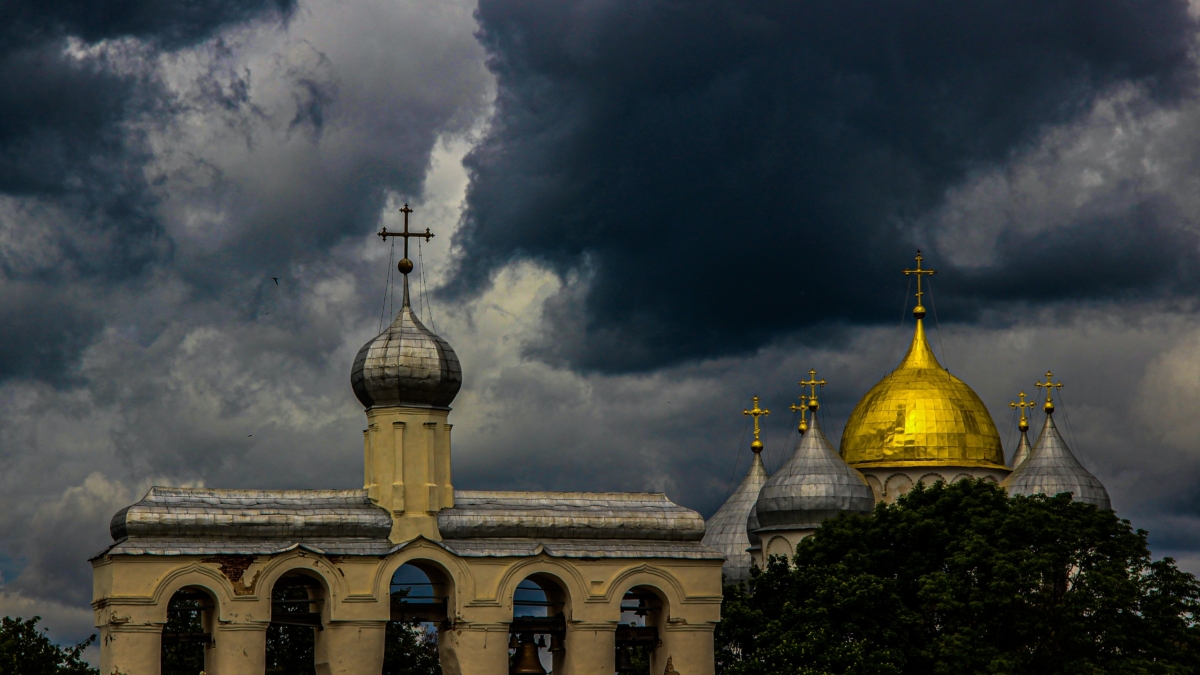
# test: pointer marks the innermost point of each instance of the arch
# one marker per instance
(897, 484)
(187, 636)
(646, 610)
(299, 612)
(991, 479)
(876, 487)
(780, 546)
(427, 555)
(417, 617)
(930, 478)
(961, 476)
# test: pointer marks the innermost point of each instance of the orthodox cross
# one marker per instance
(919, 272)
(757, 412)
(405, 265)
(813, 383)
(803, 410)
(1050, 387)
(1024, 424)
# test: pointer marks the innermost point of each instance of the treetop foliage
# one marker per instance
(24, 650)
(959, 579)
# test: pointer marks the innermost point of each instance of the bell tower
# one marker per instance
(406, 377)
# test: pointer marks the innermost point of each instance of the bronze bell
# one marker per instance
(526, 661)
(556, 643)
(624, 664)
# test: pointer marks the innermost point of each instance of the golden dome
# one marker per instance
(921, 415)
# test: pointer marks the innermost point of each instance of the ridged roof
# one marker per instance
(568, 515)
(406, 365)
(726, 530)
(1052, 469)
(815, 484)
(196, 521)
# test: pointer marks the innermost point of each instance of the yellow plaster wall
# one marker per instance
(132, 592)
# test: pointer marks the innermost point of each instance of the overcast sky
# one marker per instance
(646, 211)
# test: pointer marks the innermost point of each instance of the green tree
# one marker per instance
(24, 650)
(963, 579)
(410, 647)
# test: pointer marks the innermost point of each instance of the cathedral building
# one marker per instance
(919, 424)
(519, 583)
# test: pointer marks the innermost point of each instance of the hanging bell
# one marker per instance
(512, 641)
(541, 642)
(526, 660)
(624, 663)
(556, 643)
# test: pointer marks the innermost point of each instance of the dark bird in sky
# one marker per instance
(276, 280)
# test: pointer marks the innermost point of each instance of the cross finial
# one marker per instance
(919, 310)
(1050, 387)
(803, 410)
(812, 384)
(1024, 423)
(757, 412)
(405, 265)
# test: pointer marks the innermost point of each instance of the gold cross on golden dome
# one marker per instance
(1050, 387)
(919, 310)
(803, 410)
(757, 412)
(1024, 424)
(813, 383)
(405, 265)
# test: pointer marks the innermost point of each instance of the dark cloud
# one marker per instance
(702, 167)
(78, 89)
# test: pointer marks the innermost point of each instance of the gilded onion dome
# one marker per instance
(921, 415)
(726, 529)
(406, 365)
(814, 485)
(1051, 468)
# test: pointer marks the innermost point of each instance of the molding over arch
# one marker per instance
(646, 575)
(567, 575)
(425, 550)
(195, 574)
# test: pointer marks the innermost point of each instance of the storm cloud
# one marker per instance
(699, 167)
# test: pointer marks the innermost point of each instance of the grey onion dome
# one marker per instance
(814, 485)
(726, 530)
(1052, 469)
(406, 365)
(1022, 452)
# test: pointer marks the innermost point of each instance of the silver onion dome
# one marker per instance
(814, 485)
(406, 365)
(1052, 469)
(1022, 452)
(726, 529)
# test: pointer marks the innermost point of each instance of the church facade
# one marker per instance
(611, 571)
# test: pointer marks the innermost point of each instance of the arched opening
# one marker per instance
(420, 601)
(637, 632)
(537, 635)
(187, 636)
(297, 600)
